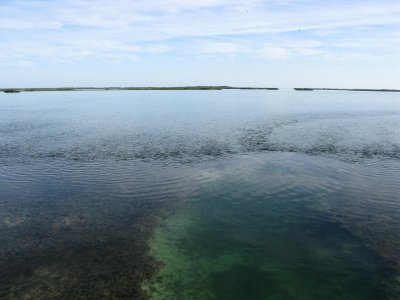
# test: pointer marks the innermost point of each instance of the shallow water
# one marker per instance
(200, 195)
(277, 226)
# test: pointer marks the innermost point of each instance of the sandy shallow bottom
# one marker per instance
(276, 227)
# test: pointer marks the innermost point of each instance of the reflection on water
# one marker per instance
(200, 195)
(189, 126)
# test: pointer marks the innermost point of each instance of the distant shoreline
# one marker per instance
(183, 88)
(349, 90)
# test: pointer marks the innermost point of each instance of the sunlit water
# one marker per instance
(200, 195)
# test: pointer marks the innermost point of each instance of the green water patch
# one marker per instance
(247, 236)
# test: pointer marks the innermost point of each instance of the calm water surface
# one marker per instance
(200, 195)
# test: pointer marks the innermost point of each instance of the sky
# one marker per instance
(265, 43)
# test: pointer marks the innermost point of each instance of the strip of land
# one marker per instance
(350, 90)
(195, 88)
(179, 88)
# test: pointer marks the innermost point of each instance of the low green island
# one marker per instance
(11, 91)
(181, 88)
(304, 89)
(349, 90)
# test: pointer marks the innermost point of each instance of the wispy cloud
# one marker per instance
(276, 53)
(120, 23)
(80, 30)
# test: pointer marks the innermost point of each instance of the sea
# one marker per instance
(232, 194)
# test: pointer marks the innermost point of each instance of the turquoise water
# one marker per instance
(266, 227)
(200, 195)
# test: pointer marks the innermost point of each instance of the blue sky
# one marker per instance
(286, 43)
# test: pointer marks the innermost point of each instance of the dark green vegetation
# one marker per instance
(303, 89)
(179, 88)
(11, 91)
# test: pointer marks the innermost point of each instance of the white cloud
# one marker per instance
(276, 53)
(358, 56)
(157, 48)
(220, 47)
(28, 24)
(24, 64)
(309, 51)
(81, 29)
